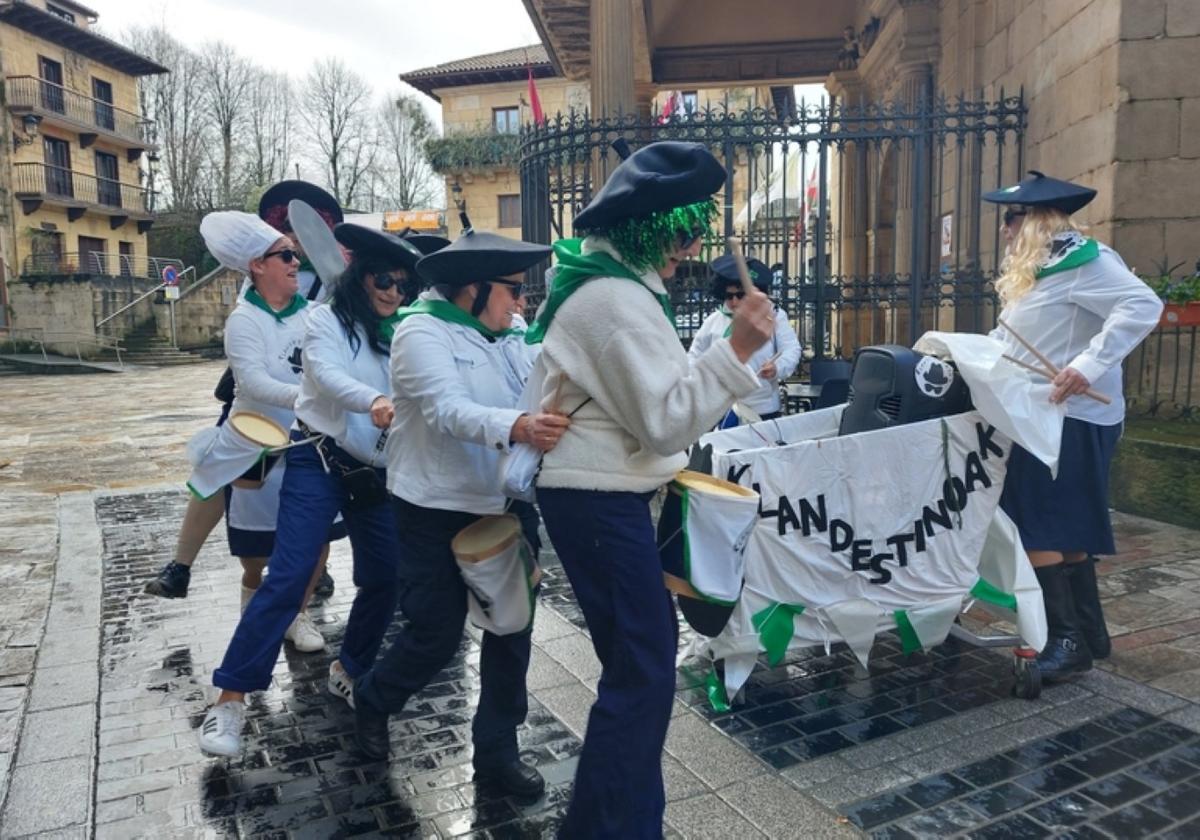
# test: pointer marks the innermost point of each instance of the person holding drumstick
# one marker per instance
(1071, 301)
(202, 516)
(776, 359)
(455, 380)
(636, 404)
(343, 413)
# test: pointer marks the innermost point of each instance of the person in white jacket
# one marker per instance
(456, 379)
(343, 413)
(1074, 300)
(635, 404)
(776, 360)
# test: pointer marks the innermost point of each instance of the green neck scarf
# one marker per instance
(444, 310)
(1087, 252)
(574, 269)
(295, 305)
(729, 328)
(387, 327)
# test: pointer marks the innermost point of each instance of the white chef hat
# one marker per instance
(235, 238)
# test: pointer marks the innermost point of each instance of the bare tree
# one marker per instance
(335, 103)
(228, 80)
(269, 144)
(176, 102)
(408, 180)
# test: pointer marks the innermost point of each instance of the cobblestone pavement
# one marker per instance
(101, 689)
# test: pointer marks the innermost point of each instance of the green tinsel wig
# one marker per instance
(646, 241)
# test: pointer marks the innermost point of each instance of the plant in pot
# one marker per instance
(1181, 295)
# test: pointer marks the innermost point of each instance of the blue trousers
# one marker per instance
(607, 546)
(433, 599)
(309, 501)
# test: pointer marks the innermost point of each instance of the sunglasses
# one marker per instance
(732, 295)
(516, 289)
(383, 282)
(1011, 215)
(286, 254)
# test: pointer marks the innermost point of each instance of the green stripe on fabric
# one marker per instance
(776, 626)
(715, 689)
(909, 640)
(196, 493)
(1087, 252)
(985, 591)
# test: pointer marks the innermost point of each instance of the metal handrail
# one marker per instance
(33, 179)
(41, 335)
(29, 92)
(130, 305)
(98, 263)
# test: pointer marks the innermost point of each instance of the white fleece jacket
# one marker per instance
(642, 404)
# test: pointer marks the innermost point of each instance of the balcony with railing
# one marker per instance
(85, 115)
(97, 264)
(35, 184)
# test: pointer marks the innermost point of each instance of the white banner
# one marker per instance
(868, 532)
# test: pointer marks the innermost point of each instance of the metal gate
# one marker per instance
(870, 217)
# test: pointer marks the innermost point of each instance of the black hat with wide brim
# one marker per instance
(477, 256)
(660, 176)
(426, 243)
(726, 269)
(378, 246)
(1040, 190)
(278, 195)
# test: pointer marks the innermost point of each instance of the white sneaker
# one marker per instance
(340, 684)
(304, 635)
(221, 732)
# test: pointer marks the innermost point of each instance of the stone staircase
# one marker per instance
(144, 347)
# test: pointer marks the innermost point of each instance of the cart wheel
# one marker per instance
(1029, 679)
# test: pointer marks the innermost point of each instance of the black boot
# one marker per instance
(1087, 607)
(171, 581)
(371, 730)
(324, 587)
(1066, 652)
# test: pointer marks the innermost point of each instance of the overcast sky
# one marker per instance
(378, 38)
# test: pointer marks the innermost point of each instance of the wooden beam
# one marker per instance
(718, 65)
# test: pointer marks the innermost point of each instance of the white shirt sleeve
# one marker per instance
(424, 370)
(788, 346)
(1129, 308)
(325, 349)
(705, 335)
(247, 350)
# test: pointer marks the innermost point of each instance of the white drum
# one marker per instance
(238, 453)
(500, 572)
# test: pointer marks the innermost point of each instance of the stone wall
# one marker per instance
(65, 307)
(200, 317)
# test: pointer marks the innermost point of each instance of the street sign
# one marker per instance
(172, 292)
(170, 275)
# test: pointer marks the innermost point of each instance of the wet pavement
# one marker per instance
(101, 689)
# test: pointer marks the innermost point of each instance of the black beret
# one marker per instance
(278, 195)
(660, 176)
(477, 256)
(1038, 190)
(378, 245)
(426, 243)
(726, 268)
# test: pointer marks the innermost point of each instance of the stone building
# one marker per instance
(75, 206)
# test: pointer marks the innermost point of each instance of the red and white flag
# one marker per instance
(535, 104)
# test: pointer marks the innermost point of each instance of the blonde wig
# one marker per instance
(1029, 251)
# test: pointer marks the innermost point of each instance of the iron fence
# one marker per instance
(98, 264)
(1162, 378)
(870, 217)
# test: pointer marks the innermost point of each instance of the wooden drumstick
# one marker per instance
(556, 401)
(1050, 366)
(1096, 395)
(735, 249)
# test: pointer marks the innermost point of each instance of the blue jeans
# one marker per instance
(309, 501)
(433, 599)
(607, 546)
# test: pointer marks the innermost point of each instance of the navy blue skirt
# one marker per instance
(1070, 513)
